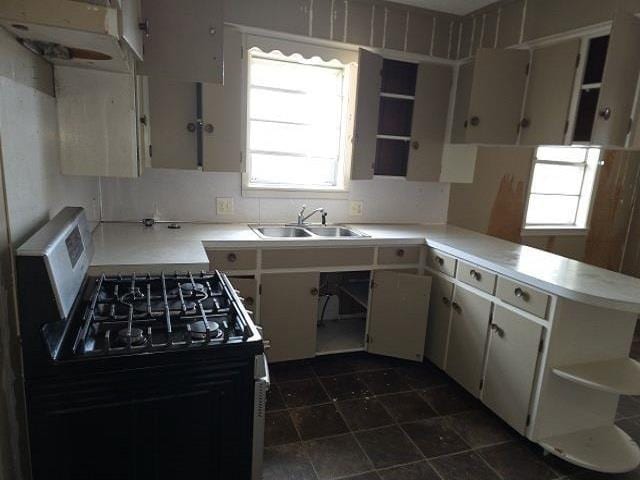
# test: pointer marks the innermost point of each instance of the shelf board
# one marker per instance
(621, 376)
(604, 449)
(393, 137)
(359, 291)
(591, 86)
(397, 96)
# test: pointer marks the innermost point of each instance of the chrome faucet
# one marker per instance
(303, 218)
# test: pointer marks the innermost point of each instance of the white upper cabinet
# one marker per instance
(551, 81)
(615, 104)
(183, 40)
(366, 117)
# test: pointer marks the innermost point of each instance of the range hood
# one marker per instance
(92, 34)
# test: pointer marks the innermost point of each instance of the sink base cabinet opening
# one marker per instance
(342, 312)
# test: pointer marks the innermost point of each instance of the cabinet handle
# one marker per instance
(145, 26)
(446, 301)
(415, 145)
(314, 292)
(232, 257)
(208, 128)
(439, 260)
(499, 330)
(400, 252)
(518, 292)
(605, 113)
(475, 121)
(456, 307)
(475, 275)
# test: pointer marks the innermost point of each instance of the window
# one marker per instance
(297, 115)
(561, 187)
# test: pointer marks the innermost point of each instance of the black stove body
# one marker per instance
(134, 376)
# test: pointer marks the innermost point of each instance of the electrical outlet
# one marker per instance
(224, 206)
(355, 208)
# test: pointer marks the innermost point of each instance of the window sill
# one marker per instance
(264, 192)
(554, 231)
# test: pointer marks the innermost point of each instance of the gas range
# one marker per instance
(128, 314)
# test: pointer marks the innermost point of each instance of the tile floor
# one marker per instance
(364, 417)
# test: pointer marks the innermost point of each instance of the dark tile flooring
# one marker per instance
(364, 417)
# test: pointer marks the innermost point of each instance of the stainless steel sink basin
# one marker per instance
(311, 231)
(333, 232)
(283, 232)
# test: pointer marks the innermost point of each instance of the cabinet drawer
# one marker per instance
(238, 259)
(398, 255)
(523, 296)
(441, 261)
(317, 257)
(477, 277)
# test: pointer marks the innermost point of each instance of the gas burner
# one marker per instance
(132, 298)
(136, 337)
(191, 288)
(199, 332)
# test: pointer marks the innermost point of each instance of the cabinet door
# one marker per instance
(439, 321)
(619, 81)
(429, 123)
(288, 314)
(511, 366)
(497, 92)
(552, 76)
(398, 316)
(461, 108)
(469, 325)
(172, 106)
(222, 111)
(130, 20)
(184, 41)
(366, 117)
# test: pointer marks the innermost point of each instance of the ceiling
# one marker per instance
(459, 7)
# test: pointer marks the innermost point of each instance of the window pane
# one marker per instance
(562, 154)
(288, 170)
(552, 210)
(305, 140)
(562, 179)
(274, 105)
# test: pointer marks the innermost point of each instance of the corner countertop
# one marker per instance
(129, 247)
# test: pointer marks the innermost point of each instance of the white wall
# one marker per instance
(191, 196)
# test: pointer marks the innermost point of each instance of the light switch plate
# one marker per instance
(224, 206)
(356, 208)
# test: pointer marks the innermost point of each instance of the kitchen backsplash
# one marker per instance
(191, 196)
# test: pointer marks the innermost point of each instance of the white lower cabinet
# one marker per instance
(470, 319)
(398, 316)
(514, 344)
(439, 321)
(288, 314)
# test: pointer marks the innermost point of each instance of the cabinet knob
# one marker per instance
(518, 292)
(232, 257)
(249, 301)
(145, 26)
(474, 274)
(314, 292)
(439, 260)
(446, 301)
(498, 330)
(415, 145)
(605, 113)
(475, 121)
(400, 252)
(525, 122)
(191, 127)
(456, 307)
(208, 128)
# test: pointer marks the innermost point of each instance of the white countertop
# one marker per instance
(131, 247)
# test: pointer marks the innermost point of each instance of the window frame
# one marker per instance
(591, 168)
(341, 190)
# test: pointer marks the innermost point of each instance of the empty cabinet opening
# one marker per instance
(342, 312)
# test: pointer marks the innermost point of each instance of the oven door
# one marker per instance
(262, 384)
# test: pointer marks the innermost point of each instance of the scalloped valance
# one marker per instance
(306, 51)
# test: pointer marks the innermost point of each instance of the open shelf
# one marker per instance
(621, 376)
(604, 449)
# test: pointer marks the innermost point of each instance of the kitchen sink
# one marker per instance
(333, 232)
(283, 232)
(311, 231)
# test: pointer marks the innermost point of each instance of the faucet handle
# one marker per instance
(304, 207)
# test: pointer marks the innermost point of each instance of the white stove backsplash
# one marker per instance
(191, 196)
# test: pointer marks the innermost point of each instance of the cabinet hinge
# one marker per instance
(540, 345)
(260, 289)
(373, 284)
(578, 57)
(630, 125)
(566, 126)
(481, 384)
(526, 70)
(241, 52)
(528, 422)
(369, 339)
(150, 150)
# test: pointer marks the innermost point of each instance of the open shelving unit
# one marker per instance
(621, 376)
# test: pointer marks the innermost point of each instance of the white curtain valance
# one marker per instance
(306, 50)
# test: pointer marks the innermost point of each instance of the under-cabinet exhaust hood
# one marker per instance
(72, 32)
